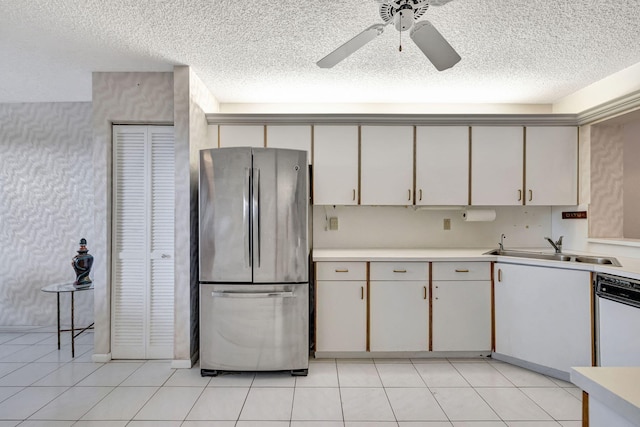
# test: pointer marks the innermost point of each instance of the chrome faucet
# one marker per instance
(501, 244)
(556, 245)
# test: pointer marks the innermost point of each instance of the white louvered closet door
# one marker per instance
(143, 271)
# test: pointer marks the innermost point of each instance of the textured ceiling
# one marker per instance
(264, 51)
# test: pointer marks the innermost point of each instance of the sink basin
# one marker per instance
(598, 260)
(535, 255)
(556, 257)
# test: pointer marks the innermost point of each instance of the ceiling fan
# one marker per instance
(404, 14)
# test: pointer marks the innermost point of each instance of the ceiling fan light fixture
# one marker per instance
(403, 19)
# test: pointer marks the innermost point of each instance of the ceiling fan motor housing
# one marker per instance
(403, 13)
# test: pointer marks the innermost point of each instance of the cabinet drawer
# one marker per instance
(461, 271)
(341, 270)
(399, 271)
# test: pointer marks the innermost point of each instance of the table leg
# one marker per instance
(73, 349)
(58, 296)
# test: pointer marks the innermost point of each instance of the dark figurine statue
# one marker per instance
(82, 265)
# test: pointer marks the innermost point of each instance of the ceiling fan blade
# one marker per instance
(351, 46)
(434, 46)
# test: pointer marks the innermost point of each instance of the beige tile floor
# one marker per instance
(41, 386)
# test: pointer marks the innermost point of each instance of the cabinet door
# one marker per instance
(543, 315)
(341, 315)
(335, 169)
(399, 317)
(461, 315)
(291, 137)
(442, 165)
(241, 136)
(387, 165)
(497, 165)
(552, 165)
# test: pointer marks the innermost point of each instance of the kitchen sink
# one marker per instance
(556, 257)
(526, 254)
(598, 260)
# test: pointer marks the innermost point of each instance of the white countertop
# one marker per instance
(616, 387)
(630, 266)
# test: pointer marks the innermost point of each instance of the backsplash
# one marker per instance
(409, 227)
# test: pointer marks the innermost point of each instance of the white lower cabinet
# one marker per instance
(543, 315)
(341, 306)
(399, 306)
(461, 306)
(399, 316)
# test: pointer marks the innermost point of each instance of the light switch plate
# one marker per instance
(333, 223)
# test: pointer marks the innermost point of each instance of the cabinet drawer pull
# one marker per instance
(399, 271)
(421, 194)
(530, 195)
(346, 270)
(409, 195)
(354, 194)
(424, 292)
(519, 195)
(361, 292)
(461, 270)
(499, 275)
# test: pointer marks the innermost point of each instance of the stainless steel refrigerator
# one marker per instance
(254, 260)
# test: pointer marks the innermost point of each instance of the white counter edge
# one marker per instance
(582, 378)
(629, 269)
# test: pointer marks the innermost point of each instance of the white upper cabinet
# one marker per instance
(335, 169)
(497, 165)
(291, 137)
(442, 165)
(386, 165)
(551, 165)
(241, 136)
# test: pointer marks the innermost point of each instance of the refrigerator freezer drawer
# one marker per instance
(254, 327)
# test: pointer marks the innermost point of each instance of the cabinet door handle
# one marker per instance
(519, 195)
(461, 271)
(361, 292)
(354, 194)
(420, 198)
(346, 270)
(530, 195)
(424, 292)
(409, 195)
(499, 275)
(399, 271)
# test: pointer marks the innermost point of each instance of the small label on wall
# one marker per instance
(574, 215)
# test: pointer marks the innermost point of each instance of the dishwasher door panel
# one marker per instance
(617, 331)
(254, 327)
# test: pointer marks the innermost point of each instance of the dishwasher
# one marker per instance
(618, 320)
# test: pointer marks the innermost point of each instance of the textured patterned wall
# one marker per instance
(121, 98)
(46, 206)
(606, 208)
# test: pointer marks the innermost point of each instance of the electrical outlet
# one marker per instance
(333, 223)
(447, 224)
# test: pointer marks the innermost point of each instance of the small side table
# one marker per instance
(59, 288)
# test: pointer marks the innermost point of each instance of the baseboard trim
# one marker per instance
(101, 358)
(544, 370)
(181, 364)
(400, 354)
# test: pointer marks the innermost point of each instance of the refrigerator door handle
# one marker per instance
(256, 212)
(246, 225)
(235, 294)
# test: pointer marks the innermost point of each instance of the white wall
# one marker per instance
(407, 227)
(46, 207)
